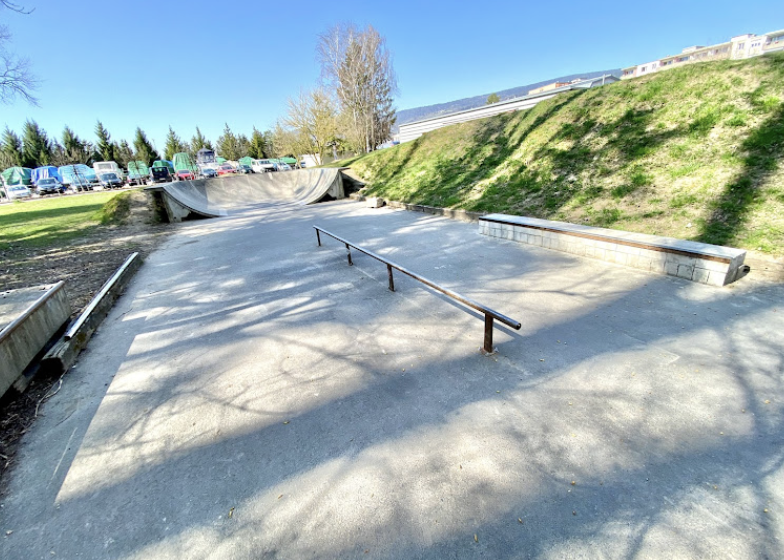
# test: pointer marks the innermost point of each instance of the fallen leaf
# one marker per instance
(519, 520)
(231, 513)
(476, 538)
(279, 497)
(285, 421)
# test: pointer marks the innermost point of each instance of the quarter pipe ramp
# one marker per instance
(217, 196)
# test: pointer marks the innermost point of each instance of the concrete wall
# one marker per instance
(698, 262)
(23, 338)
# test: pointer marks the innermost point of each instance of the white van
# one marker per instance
(102, 167)
(262, 166)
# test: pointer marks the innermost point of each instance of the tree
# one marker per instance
(10, 149)
(228, 145)
(75, 150)
(258, 148)
(16, 79)
(243, 145)
(36, 147)
(287, 141)
(124, 153)
(105, 148)
(144, 150)
(199, 142)
(492, 98)
(357, 65)
(314, 117)
(173, 145)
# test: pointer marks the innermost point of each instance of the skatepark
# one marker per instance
(253, 396)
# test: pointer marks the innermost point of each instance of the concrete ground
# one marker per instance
(251, 396)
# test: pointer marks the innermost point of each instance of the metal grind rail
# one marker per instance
(490, 314)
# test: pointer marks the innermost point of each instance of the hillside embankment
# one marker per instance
(694, 152)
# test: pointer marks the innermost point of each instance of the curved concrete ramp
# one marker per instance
(214, 197)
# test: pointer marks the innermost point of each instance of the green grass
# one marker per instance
(56, 221)
(694, 152)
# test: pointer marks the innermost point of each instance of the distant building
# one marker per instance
(742, 46)
(413, 130)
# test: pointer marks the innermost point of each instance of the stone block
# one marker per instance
(685, 271)
(701, 275)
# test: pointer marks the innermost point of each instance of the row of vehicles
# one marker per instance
(22, 182)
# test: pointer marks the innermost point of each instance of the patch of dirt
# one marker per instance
(85, 264)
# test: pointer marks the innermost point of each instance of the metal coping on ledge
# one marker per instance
(71, 332)
(490, 314)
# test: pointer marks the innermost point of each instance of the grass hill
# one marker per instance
(694, 152)
(418, 113)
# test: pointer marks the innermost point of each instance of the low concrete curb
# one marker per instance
(64, 353)
(461, 215)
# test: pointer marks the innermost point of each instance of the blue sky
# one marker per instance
(206, 63)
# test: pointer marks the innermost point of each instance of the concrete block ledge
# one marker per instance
(25, 338)
(63, 354)
(698, 262)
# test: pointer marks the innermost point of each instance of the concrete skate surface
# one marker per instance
(252, 396)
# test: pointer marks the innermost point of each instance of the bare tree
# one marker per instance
(16, 80)
(314, 117)
(357, 65)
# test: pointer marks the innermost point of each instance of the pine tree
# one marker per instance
(124, 153)
(173, 145)
(105, 147)
(75, 150)
(36, 147)
(198, 142)
(144, 150)
(228, 145)
(258, 147)
(10, 149)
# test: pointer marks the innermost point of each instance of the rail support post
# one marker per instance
(348, 252)
(488, 349)
(391, 280)
(318, 237)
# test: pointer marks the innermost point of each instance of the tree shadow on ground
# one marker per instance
(763, 151)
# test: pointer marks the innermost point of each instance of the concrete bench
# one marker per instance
(698, 262)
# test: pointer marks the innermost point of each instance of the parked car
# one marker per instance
(244, 169)
(282, 166)
(16, 192)
(102, 167)
(184, 174)
(263, 166)
(226, 169)
(160, 174)
(302, 165)
(110, 180)
(208, 172)
(50, 185)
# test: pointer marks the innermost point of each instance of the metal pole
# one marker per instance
(391, 280)
(348, 251)
(488, 347)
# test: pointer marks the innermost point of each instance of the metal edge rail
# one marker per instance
(73, 329)
(490, 314)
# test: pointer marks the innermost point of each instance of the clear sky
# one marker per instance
(200, 62)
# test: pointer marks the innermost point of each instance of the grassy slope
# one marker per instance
(694, 152)
(57, 220)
